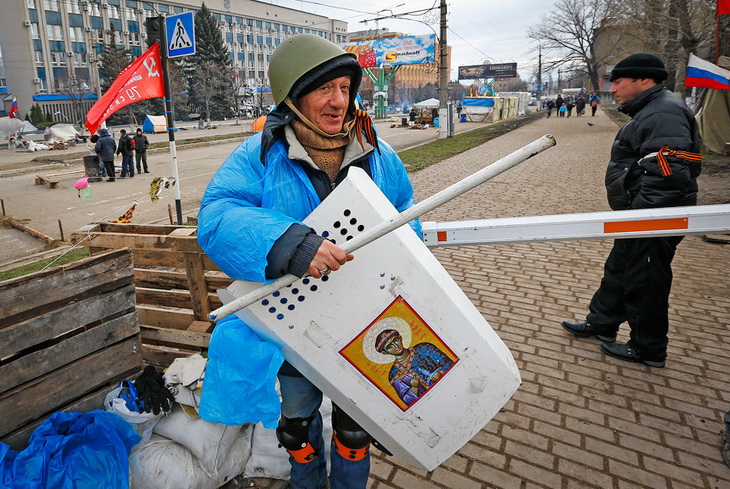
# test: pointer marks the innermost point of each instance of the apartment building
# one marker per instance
(51, 48)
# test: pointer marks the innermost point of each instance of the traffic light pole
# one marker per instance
(169, 115)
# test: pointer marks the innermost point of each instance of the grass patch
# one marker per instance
(72, 255)
(618, 118)
(428, 154)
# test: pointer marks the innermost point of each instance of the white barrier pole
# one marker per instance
(399, 220)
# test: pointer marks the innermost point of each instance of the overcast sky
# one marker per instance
(479, 31)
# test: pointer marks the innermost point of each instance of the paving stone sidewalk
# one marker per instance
(581, 419)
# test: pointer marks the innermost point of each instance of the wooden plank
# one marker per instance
(201, 326)
(70, 317)
(38, 363)
(167, 298)
(18, 439)
(189, 338)
(185, 231)
(130, 228)
(145, 242)
(165, 318)
(40, 292)
(174, 279)
(197, 285)
(163, 356)
(43, 395)
(158, 258)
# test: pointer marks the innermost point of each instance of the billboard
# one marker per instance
(409, 50)
(500, 70)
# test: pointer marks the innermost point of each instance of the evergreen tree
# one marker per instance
(210, 48)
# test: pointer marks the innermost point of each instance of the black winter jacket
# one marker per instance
(635, 179)
(125, 146)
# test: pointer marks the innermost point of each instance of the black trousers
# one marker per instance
(637, 278)
(109, 165)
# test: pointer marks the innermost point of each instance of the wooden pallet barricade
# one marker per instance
(175, 282)
(70, 334)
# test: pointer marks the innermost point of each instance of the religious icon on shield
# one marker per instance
(400, 354)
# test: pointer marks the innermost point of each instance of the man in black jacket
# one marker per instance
(655, 162)
(140, 150)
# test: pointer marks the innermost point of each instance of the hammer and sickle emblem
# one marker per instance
(151, 70)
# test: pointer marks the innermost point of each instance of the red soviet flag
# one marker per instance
(139, 81)
(723, 7)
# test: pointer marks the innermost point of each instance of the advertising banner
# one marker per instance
(409, 50)
(501, 70)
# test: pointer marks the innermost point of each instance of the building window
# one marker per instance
(31, 4)
(54, 32)
(259, 39)
(34, 31)
(38, 56)
(50, 5)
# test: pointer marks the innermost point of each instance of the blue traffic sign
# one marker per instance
(180, 30)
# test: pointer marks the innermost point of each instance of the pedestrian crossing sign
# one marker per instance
(180, 30)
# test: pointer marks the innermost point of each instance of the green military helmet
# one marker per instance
(301, 59)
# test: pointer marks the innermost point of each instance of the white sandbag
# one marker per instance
(209, 442)
(235, 461)
(164, 464)
(269, 460)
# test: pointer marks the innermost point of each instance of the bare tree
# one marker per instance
(571, 34)
(210, 79)
(671, 29)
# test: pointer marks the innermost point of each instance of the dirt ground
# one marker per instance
(715, 180)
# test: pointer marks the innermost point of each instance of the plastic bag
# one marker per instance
(239, 387)
(117, 401)
(72, 451)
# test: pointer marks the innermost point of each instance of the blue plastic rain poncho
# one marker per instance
(246, 208)
(72, 451)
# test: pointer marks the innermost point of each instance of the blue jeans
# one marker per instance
(301, 399)
(127, 166)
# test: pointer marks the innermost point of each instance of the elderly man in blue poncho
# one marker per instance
(250, 224)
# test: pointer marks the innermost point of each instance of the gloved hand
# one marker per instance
(152, 392)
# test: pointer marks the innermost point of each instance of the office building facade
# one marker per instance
(51, 48)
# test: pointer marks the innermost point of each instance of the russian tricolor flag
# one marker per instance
(701, 73)
(13, 108)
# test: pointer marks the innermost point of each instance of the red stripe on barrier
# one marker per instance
(441, 236)
(647, 225)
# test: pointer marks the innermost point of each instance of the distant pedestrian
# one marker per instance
(140, 151)
(126, 149)
(550, 106)
(105, 148)
(569, 104)
(580, 105)
(412, 116)
(562, 110)
(594, 101)
(559, 102)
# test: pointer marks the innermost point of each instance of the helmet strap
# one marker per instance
(347, 126)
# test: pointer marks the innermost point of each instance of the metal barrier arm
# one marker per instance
(666, 221)
(399, 220)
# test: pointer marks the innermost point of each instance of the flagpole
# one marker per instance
(170, 117)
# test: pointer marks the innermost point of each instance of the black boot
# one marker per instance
(623, 351)
(584, 328)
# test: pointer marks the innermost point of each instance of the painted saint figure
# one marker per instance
(415, 369)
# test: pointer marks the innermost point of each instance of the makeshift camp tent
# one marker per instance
(258, 124)
(713, 117)
(61, 133)
(431, 103)
(478, 109)
(154, 123)
(28, 127)
(427, 110)
(8, 127)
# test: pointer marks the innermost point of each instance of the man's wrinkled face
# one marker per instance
(625, 90)
(326, 106)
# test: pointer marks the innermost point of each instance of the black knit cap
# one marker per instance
(344, 65)
(640, 65)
